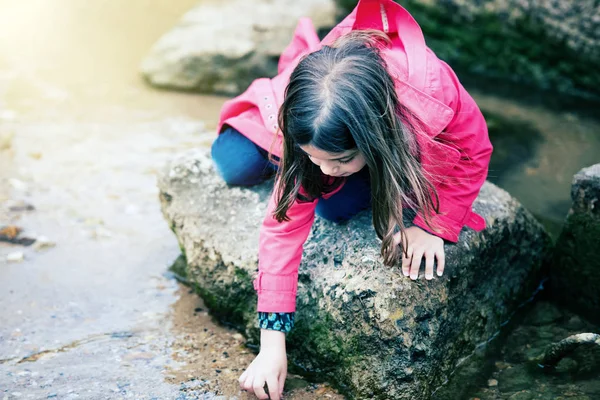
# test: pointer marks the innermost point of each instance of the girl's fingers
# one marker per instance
(429, 259)
(242, 379)
(248, 383)
(415, 264)
(259, 388)
(273, 386)
(441, 262)
(406, 262)
(281, 383)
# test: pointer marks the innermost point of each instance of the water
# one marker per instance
(82, 138)
(540, 141)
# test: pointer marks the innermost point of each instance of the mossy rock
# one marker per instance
(363, 326)
(511, 41)
(576, 262)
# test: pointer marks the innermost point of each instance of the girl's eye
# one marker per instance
(346, 161)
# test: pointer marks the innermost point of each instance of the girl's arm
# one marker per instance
(280, 252)
(279, 255)
(468, 133)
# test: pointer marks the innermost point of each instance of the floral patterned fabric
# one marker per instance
(277, 321)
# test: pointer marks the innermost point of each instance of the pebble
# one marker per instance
(492, 382)
(16, 257)
(99, 233)
(6, 139)
(19, 205)
(42, 242)
(502, 365)
(18, 185)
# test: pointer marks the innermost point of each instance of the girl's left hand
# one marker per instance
(422, 244)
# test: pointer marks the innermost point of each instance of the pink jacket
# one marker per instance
(455, 148)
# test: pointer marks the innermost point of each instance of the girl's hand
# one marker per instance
(422, 244)
(269, 366)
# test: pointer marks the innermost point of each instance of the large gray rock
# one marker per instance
(223, 46)
(364, 326)
(576, 262)
(576, 23)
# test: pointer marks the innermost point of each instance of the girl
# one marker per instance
(369, 117)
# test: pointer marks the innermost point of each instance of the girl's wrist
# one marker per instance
(272, 339)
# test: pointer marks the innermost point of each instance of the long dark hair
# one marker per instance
(341, 98)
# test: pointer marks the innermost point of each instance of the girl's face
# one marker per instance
(336, 164)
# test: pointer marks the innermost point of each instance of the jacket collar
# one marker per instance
(390, 17)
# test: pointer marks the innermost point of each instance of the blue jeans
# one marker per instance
(242, 163)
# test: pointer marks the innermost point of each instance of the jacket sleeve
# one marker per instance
(468, 133)
(279, 256)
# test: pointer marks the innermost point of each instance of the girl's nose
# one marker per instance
(329, 169)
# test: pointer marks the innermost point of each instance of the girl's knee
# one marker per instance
(223, 147)
(237, 159)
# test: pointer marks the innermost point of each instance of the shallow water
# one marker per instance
(81, 138)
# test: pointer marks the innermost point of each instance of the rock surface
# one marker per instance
(375, 333)
(577, 23)
(222, 47)
(553, 44)
(576, 263)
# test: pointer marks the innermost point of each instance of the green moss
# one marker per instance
(312, 339)
(489, 46)
(179, 267)
(229, 303)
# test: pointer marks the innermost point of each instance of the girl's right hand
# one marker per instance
(269, 366)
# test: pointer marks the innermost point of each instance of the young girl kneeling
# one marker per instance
(367, 118)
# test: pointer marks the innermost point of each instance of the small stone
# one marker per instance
(501, 365)
(18, 206)
(42, 242)
(18, 184)
(492, 382)
(10, 231)
(6, 139)
(15, 257)
(524, 395)
(100, 233)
